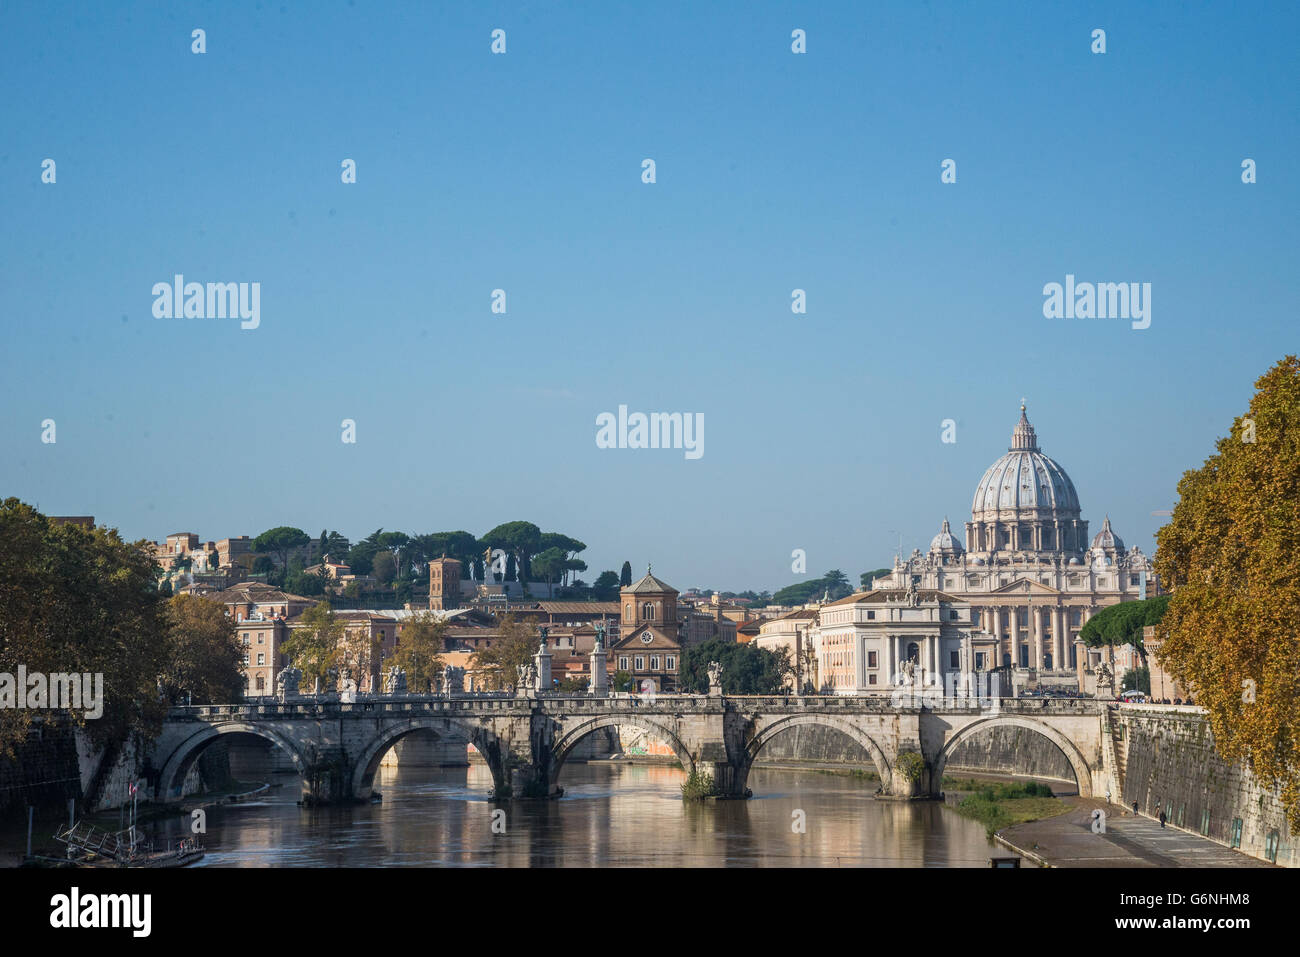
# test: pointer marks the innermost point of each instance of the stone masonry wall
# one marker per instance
(1170, 763)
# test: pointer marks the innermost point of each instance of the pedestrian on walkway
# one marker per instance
(1162, 820)
(1135, 808)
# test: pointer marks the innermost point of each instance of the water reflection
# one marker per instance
(610, 815)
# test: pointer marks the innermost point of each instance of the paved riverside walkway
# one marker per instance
(1066, 840)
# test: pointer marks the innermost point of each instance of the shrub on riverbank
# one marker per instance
(1001, 805)
(698, 787)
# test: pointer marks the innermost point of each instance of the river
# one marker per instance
(611, 815)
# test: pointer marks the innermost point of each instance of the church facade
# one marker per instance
(1026, 565)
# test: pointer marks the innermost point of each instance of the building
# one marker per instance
(793, 633)
(650, 645)
(881, 640)
(444, 584)
(1027, 568)
(1164, 687)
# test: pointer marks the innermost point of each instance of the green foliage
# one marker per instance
(280, 541)
(622, 681)
(699, 786)
(605, 588)
(801, 593)
(418, 651)
(1122, 624)
(1137, 679)
(82, 600)
(384, 567)
(866, 579)
(625, 576)
(204, 656)
(315, 644)
(910, 765)
(746, 669)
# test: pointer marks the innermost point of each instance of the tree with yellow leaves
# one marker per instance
(1231, 555)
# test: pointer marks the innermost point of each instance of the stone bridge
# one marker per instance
(337, 747)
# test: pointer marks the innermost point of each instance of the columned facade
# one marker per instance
(1027, 568)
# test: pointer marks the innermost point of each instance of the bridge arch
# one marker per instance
(367, 763)
(181, 759)
(848, 728)
(566, 742)
(1078, 763)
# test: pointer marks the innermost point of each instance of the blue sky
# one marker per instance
(522, 171)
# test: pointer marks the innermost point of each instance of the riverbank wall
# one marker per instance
(1166, 761)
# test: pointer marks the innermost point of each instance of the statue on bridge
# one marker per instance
(453, 680)
(1105, 681)
(395, 683)
(715, 678)
(527, 675)
(286, 682)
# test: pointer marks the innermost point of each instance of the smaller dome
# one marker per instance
(1106, 539)
(1075, 561)
(945, 543)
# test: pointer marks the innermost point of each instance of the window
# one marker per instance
(648, 611)
(871, 659)
(640, 663)
(654, 662)
(952, 615)
(245, 660)
(622, 664)
(244, 639)
(628, 610)
(261, 637)
(954, 659)
(261, 683)
(871, 679)
(871, 616)
(979, 661)
(261, 658)
(670, 662)
(1134, 580)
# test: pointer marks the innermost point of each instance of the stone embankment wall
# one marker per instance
(1010, 750)
(57, 762)
(1169, 763)
(813, 745)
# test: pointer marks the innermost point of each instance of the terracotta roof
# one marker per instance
(579, 607)
(649, 585)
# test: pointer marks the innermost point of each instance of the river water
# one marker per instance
(610, 815)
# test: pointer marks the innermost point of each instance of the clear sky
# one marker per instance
(522, 171)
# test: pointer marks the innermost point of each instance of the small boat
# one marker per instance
(87, 846)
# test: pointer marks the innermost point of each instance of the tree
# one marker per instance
(622, 681)
(520, 538)
(1122, 624)
(550, 565)
(385, 567)
(746, 669)
(418, 651)
(1137, 679)
(214, 561)
(204, 656)
(78, 600)
(866, 579)
(280, 541)
(314, 646)
(625, 576)
(1229, 554)
(605, 587)
(262, 565)
(514, 646)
